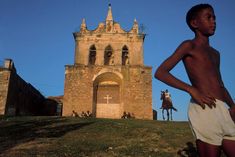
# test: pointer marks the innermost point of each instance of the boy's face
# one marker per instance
(205, 22)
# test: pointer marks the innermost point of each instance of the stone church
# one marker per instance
(108, 78)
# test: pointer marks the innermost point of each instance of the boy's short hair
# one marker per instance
(192, 13)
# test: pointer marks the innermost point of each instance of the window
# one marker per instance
(108, 56)
(92, 55)
(125, 55)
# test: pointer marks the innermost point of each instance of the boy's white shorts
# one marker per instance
(211, 125)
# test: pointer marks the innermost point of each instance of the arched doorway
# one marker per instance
(107, 96)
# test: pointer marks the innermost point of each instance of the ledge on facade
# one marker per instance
(108, 66)
(79, 34)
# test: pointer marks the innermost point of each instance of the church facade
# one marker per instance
(108, 78)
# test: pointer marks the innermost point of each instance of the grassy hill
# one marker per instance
(75, 137)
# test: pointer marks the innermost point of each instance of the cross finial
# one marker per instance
(109, 16)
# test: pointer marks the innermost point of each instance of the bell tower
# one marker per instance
(108, 76)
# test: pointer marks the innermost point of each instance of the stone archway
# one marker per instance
(107, 96)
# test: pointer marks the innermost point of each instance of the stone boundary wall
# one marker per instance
(17, 97)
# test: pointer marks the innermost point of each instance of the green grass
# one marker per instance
(75, 137)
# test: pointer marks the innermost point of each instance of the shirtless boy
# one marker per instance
(208, 109)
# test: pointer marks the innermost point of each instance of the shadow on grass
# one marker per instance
(188, 151)
(18, 131)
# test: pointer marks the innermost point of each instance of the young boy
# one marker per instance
(208, 114)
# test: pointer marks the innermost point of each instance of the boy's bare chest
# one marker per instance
(207, 56)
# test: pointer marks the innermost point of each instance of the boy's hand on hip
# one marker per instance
(202, 99)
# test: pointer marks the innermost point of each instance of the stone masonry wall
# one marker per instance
(4, 83)
(136, 89)
(138, 92)
(134, 44)
(17, 96)
(78, 93)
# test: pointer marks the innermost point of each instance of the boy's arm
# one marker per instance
(164, 75)
(230, 103)
(228, 97)
(163, 72)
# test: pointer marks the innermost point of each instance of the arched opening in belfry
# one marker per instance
(92, 55)
(108, 56)
(107, 93)
(125, 55)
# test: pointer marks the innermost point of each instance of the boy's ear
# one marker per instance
(194, 23)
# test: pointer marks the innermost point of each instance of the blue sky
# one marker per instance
(37, 35)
